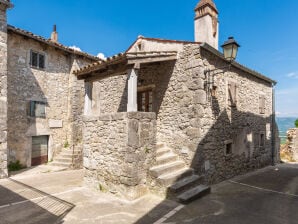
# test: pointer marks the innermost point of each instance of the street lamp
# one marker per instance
(230, 49)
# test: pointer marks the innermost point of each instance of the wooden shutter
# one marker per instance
(232, 94)
(262, 104)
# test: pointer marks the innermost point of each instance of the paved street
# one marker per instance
(266, 196)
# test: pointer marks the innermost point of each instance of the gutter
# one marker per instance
(273, 129)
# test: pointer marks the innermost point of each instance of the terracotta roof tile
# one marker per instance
(121, 57)
(51, 43)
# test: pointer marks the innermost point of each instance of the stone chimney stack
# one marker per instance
(54, 35)
(4, 5)
(206, 23)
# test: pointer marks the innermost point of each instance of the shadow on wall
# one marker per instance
(24, 96)
(214, 162)
(31, 204)
(157, 81)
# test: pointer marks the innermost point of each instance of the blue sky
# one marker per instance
(266, 29)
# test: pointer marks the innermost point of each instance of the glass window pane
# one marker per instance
(34, 59)
(41, 61)
(40, 109)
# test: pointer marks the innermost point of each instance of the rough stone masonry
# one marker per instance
(3, 89)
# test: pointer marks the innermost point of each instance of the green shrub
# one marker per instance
(15, 166)
(66, 144)
(296, 123)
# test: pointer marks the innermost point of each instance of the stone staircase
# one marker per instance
(181, 182)
(68, 159)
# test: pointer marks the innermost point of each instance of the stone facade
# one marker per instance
(194, 116)
(198, 126)
(292, 143)
(3, 86)
(62, 93)
(118, 152)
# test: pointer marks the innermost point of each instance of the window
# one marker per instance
(232, 94)
(229, 149)
(145, 99)
(262, 107)
(37, 109)
(37, 60)
(262, 140)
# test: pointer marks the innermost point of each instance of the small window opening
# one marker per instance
(37, 109)
(145, 101)
(229, 149)
(37, 60)
(262, 140)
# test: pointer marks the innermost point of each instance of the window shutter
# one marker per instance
(262, 104)
(232, 92)
(28, 108)
(41, 61)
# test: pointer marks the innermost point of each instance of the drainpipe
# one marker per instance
(273, 125)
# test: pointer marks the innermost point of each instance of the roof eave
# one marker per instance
(237, 65)
(52, 44)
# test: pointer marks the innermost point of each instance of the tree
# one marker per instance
(296, 123)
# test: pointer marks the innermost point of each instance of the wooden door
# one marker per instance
(39, 150)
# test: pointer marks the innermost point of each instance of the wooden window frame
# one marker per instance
(39, 55)
(147, 100)
(32, 107)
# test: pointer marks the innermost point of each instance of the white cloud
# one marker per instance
(293, 75)
(75, 48)
(101, 56)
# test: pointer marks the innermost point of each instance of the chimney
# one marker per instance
(206, 23)
(54, 35)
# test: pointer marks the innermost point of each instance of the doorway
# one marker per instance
(39, 153)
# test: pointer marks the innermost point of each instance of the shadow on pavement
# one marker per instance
(21, 203)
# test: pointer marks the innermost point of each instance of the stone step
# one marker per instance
(166, 158)
(168, 179)
(60, 164)
(64, 156)
(162, 151)
(185, 183)
(157, 171)
(193, 194)
(63, 160)
(69, 153)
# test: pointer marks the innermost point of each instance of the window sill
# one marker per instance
(37, 68)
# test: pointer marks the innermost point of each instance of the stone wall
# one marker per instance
(292, 142)
(109, 95)
(197, 121)
(118, 152)
(198, 126)
(54, 85)
(3, 92)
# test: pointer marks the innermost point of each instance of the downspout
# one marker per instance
(273, 125)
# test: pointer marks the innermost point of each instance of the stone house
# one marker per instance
(41, 100)
(156, 121)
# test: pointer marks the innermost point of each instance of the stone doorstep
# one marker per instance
(194, 193)
(185, 183)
